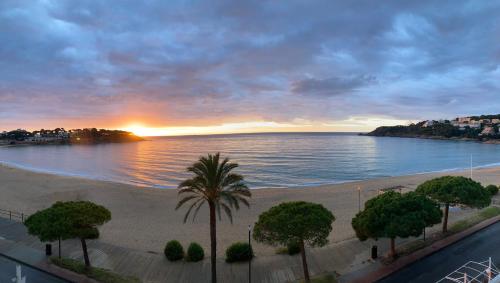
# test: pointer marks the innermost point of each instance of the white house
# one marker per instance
(428, 123)
(488, 131)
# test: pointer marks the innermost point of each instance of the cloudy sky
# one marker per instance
(218, 66)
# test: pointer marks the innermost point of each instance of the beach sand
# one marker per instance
(145, 218)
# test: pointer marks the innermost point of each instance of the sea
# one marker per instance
(268, 160)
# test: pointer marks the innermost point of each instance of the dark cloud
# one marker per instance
(200, 60)
(331, 86)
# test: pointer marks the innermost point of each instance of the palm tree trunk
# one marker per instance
(445, 220)
(393, 248)
(213, 242)
(59, 247)
(85, 253)
(304, 262)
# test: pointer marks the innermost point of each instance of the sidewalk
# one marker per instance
(152, 267)
(378, 272)
(341, 258)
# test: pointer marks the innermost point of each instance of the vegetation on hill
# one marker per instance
(418, 130)
(102, 136)
(484, 127)
(61, 136)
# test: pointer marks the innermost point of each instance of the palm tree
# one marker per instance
(214, 184)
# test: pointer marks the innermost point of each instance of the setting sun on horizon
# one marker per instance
(353, 124)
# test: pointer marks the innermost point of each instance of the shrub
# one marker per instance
(492, 189)
(174, 250)
(195, 252)
(293, 248)
(239, 252)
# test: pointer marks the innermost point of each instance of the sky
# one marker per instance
(200, 67)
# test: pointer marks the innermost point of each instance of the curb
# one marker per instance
(386, 271)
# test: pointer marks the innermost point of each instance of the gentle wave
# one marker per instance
(266, 160)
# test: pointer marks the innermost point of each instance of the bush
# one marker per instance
(293, 248)
(174, 250)
(492, 189)
(195, 252)
(239, 252)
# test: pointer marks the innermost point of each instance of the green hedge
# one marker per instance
(492, 189)
(239, 252)
(195, 252)
(293, 248)
(174, 251)
(99, 274)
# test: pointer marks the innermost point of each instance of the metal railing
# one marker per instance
(13, 215)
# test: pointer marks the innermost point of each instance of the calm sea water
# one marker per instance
(266, 160)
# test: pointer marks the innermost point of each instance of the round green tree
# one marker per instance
(301, 222)
(452, 190)
(83, 219)
(49, 225)
(393, 214)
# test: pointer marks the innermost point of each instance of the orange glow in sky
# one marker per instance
(353, 124)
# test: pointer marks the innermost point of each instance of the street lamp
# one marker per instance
(359, 199)
(250, 260)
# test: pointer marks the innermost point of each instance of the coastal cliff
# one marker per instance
(61, 136)
(476, 128)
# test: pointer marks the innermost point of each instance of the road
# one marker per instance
(477, 247)
(8, 273)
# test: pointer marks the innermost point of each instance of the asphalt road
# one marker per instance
(477, 247)
(8, 273)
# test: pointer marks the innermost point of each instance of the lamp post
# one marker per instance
(250, 260)
(359, 199)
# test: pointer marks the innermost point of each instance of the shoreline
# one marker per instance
(144, 218)
(289, 186)
(441, 138)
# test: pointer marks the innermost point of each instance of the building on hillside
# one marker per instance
(475, 124)
(428, 123)
(487, 131)
(463, 120)
(495, 121)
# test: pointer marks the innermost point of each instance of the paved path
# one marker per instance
(340, 258)
(477, 247)
(151, 267)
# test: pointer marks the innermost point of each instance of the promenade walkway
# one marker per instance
(150, 267)
(341, 258)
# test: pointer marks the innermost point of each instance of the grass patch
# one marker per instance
(282, 251)
(99, 274)
(484, 214)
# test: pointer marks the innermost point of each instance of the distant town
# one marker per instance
(483, 128)
(62, 136)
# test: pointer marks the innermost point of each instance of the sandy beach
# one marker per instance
(145, 219)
